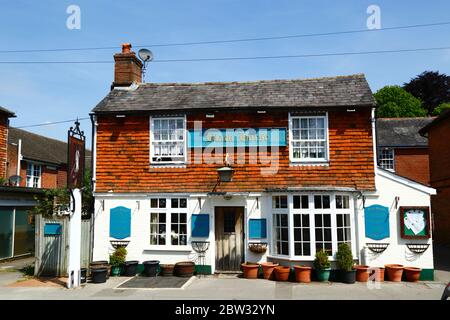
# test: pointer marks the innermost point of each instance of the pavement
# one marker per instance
(223, 287)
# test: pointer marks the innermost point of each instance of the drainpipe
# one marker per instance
(94, 175)
(19, 159)
(374, 138)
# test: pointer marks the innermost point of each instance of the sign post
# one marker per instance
(75, 176)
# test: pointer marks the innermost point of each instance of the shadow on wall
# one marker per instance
(441, 257)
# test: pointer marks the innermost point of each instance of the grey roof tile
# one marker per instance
(340, 91)
(401, 132)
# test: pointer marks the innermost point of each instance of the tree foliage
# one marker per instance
(431, 87)
(58, 200)
(441, 108)
(395, 102)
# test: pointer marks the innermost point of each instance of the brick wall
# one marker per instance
(50, 178)
(439, 145)
(12, 160)
(123, 157)
(3, 144)
(413, 163)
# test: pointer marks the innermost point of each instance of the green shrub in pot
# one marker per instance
(345, 263)
(117, 259)
(322, 265)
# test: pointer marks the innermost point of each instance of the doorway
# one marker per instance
(229, 234)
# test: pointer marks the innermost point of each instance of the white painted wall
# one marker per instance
(388, 187)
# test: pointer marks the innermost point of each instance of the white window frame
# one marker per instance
(275, 211)
(168, 210)
(32, 176)
(312, 211)
(152, 152)
(325, 159)
(381, 158)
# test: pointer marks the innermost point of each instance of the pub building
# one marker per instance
(252, 171)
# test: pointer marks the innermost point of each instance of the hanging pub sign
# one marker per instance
(415, 222)
(76, 156)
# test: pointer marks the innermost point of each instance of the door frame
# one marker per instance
(243, 238)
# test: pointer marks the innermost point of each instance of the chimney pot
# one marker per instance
(126, 48)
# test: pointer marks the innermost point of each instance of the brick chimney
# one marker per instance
(127, 68)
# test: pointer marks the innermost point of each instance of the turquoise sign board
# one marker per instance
(376, 219)
(52, 229)
(260, 137)
(120, 223)
(257, 228)
(200, 225)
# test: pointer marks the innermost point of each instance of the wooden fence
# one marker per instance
(52, 245)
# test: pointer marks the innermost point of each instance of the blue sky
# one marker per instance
(44, 93)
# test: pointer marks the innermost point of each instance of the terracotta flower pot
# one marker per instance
(378, 274)
(250, 270)
(268, 268)
(282, 273)
(362, 273)
(412, 274)
(302, 274)
(394, 272)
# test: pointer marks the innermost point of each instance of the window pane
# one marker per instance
(319, 236)
(306, 249)
(183, 203)
(297, 220)
(154, 203)
(327, 234)
(284, 220)
(327, 220)
(297, 234)
(162, 203)
(284, 248)
(284, 202)
(318, 220)
(174, 203)
(306, 234)
(326, 202)
(305, 220)
(305, 202)
(317, 202)
(297, 202)
(298, 249)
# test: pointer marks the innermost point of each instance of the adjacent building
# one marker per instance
(249, 171)
(438, 134)
(401, 149)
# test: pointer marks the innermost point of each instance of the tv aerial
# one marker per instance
(146, 56)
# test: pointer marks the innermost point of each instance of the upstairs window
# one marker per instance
(34, 175)
(386, 159)
(308, 138)
(168, 140)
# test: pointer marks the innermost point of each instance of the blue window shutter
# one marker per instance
(376, 220)
(120, 223)
(200, 225)
(257, 228)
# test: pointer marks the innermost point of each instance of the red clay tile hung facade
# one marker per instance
(3, 144)
(438, 133)
(123, 156)
(413, 163)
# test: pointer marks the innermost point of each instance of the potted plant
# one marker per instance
(302, 274)
(268, 268)
(362, 273)
(250, 270)
(322, 265)
(116, 260)
(394, 272)
(412, 274)
(282, 273)
(344, 260)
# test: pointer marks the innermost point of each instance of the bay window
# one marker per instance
(308, 138)
(168, 214)
(311, 222)
(168, 140)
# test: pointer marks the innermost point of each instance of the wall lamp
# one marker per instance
(225, 174)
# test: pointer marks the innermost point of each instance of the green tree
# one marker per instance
(396, 102)
(431, 87)
(441, 108)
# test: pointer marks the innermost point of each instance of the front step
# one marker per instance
(227, 274)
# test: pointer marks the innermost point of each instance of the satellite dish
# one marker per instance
(145, 55)
(15, 179)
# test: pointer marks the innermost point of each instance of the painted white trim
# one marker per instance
(308, 161)
(154, 164)
(94, 155)
(409, 183)
(374, 140)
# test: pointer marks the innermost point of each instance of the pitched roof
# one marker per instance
(442, 117)
(401, 132)
(9, 113)
(340, 91)
(40, 148)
